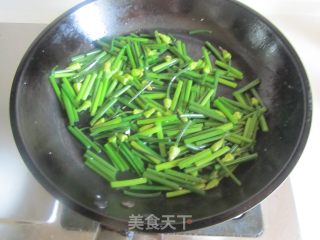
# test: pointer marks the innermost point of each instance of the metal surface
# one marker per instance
(261, 51)
(247, 225)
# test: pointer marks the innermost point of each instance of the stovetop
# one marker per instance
(27, 211)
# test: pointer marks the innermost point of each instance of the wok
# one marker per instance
(259, 49)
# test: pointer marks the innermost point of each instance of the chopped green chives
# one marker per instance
(181, 97)
(169, 118)
(195, 189)
(247, 87)
(137, 51)
(97, 83)
(71, 112)
(100, 170)
(105, 85)
(208, 133)
(214, 133)
(178, 54)
(124, 101)
(225, 110)
(184, 176)
(63, 74)
(55, 87)
(257, 96)
(229, 173)
(167, 165)
(162, 147)
(227, 83)
(69, 94)
(165, 182)
(196, 157)
(128, 183)
(103, 109)
(153, 156)
(179, 46)
(115, 157)
(84, 87)
(158, 114)
(182, 132)
(192, 129)
(188, 189)
(119, 58)
(185, 51)
(136, 98)
(111, 88)
(140, 92)
(89, 86)
(238, 139)
(193, 169)
(230, 107)
(187, 94)
(150, 131)
(101, 161)
(212, 184)
(135, 39)
(69, 88)
(237, 104)
(107, 123)
(241, 159)
(213, 156)
(207, 112)
(207, 59)
(253, 126)
(214, 50)
(236, 73)
(96, 100)
(206, 99)
(131, 58)
(247, 128)
(173, 178)
(142, 187)
(121, 91)
(86, 141)
(104, 128)
(176, 95)
(192, 115)
(163, 66)
(239, 97)
(263, 123)
(209, 140)
(141, 195)
(155, 95)
(83, 56)
(177, 193)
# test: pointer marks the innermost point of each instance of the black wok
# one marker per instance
(259, 49)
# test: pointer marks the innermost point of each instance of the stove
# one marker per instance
(29, 212)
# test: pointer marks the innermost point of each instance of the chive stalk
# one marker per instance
(159, 115)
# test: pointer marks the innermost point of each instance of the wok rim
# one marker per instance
(198, 223)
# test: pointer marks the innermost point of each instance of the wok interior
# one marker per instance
(256, 49)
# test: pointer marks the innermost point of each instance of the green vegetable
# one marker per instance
(127, 183)
(141, 195)
(159, 179)
(150, 188)
(99, 169)
(151, 118)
